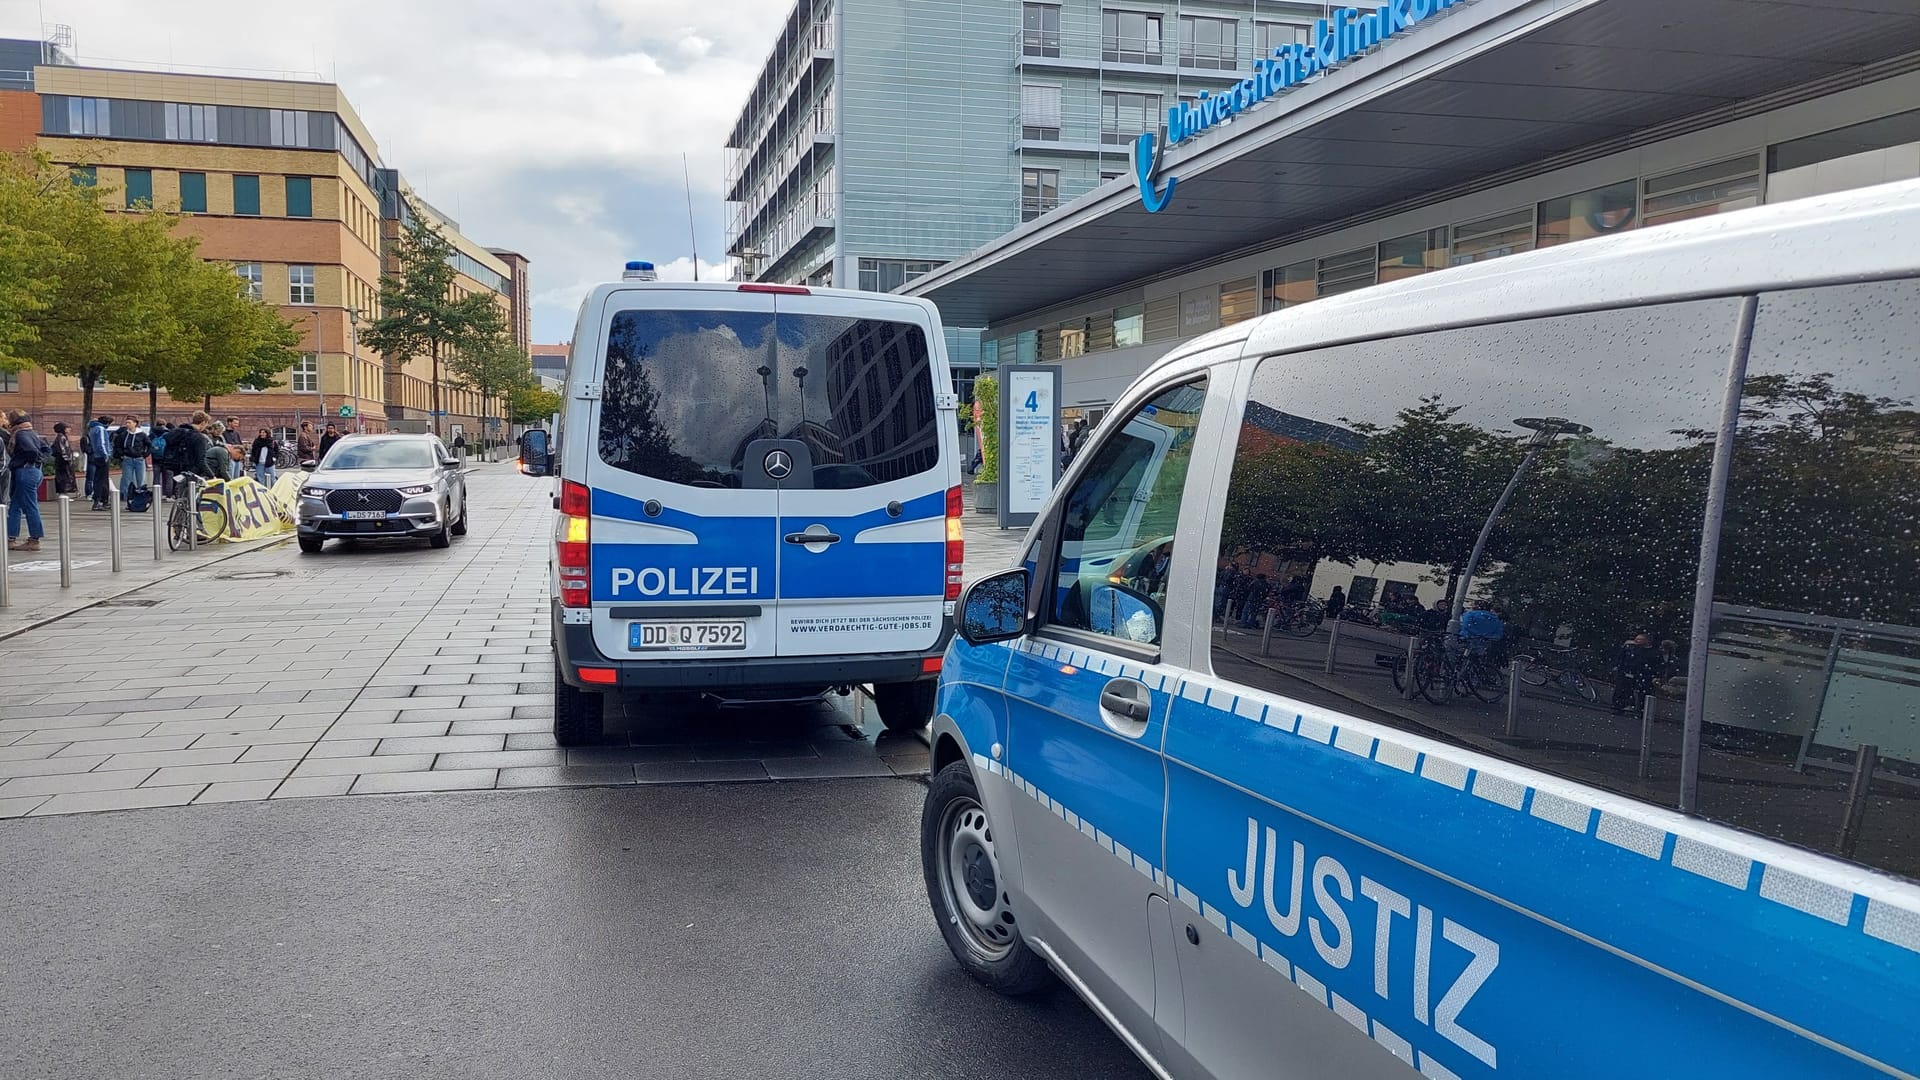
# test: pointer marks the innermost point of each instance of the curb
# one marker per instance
(265, 545)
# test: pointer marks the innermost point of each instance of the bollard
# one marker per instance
(5, 598)
(66, 541)
(113, 526)
(1647, 712)
(160, 528)
(1413, 657)
(1333, 645)
(1865, 760)
(1513, 699)
(1266, 635)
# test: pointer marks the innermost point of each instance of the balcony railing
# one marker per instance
(1165, 50)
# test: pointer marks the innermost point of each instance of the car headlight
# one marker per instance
(315, 492)
(416, 489)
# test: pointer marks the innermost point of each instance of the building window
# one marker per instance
(1129, 326)
(1415, 253)
(287, 127)
(306, 374)
(249, 272)
(193, 192)
(1130, 37)
(1208, 43)
(1039, 112)
(246, 195)
(300, 196)
(1239, 301)
(89, 116)
(191, 123)
(1124, 117)
(1285, 286)
(1345, 272)
(300, 285)
(1587, 214)
(1733, 184)
(10, 383)
(139, 185)
(1040, 29)
(1039, 192)
(83, 175)
(1073, 339)
(1489, 238)
(1268, 36)
(887, 275)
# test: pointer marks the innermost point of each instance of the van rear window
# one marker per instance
(686, 392)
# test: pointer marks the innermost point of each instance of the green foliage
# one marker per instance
(532, 404)
(986, 391)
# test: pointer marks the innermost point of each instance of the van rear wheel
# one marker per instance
(905, 707)
(579, 716)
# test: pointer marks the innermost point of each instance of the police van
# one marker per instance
(759, 494)
(1683, 459)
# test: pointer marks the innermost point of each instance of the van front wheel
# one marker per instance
(964, 885)
(905, 707)
(578, 715)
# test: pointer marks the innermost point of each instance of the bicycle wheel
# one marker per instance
(1483, 681)
(1580, 686)
(213, 523)
(1399, 673)
(1430, 679)
(1532, 671)
(177, 526)
(1303, 623)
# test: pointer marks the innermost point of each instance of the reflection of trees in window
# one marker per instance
(633, 436)
(1821, 516)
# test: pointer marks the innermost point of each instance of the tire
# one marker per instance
(178, 522)
(1430, 679)
(460, 527)
(1584, 688)
(1400, 674)
(1532, 672)
(579, 716)
(964, 888)
(1483, 681)
(441, 539)
(905, 707)
(312, 544)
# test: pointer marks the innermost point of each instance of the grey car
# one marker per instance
(376, 487)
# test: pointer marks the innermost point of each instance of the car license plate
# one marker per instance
(353, 514)
(704, 634)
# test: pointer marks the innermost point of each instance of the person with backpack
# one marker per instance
(132, 444)
(187, 447)
(161, 478)
(26, 454)
(99, 449)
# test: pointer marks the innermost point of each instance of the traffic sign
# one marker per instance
(346, 410)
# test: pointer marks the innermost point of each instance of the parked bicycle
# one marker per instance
(1441, 674)
(210, 521)
(1559, 667)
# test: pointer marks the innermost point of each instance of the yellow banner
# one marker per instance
(244, 509)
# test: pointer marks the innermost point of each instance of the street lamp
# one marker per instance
(1545, 430)
(353, 325)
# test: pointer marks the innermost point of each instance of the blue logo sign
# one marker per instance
(1343, 35)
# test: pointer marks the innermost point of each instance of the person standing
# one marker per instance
(99, 449)
(236, 457)
(1336, 603)
(26, 454)
(331, 436)
(306, 445)
(132, 444)
(63, 481)
(193, 452)
(262, 457)
(1634, 671)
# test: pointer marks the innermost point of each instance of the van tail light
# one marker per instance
(781, 290)
(572, 545)
(956, 546)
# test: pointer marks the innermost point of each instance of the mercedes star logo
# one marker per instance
(779, 465)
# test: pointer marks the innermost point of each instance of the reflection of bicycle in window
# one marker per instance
(1440, 674)
(1559, 667)
(209, 517)
(1298, 617)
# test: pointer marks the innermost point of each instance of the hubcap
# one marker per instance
(970, 878)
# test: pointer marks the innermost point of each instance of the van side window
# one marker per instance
(1814, 663)
(687, 392)
(1574, 452)
(1117, 522)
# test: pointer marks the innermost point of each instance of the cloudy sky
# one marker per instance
(552, 127)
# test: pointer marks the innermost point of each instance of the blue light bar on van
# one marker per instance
(792, 290)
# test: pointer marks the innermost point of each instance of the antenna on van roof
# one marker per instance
(691, 238)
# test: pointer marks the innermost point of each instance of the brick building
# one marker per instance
(281, 179)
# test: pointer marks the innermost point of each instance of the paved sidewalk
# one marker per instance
(369, 668)
(34, 594)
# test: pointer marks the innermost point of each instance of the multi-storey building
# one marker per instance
(883, 139)
(281, 179)
(522, 327)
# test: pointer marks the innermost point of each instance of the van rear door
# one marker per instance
(863, 526)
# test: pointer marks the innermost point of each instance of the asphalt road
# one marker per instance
(736, 931)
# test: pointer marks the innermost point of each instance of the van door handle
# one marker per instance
(1120, 698)
(813, 538)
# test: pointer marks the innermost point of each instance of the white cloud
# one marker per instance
(538, 126)
(681, 269)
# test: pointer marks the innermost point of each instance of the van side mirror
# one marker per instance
(533, 466)
(994, 608)
(1126, 613)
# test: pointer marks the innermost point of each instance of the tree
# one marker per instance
(422, 314)
(986, 391)
(492, 368)
(31, 254)
(530, 403)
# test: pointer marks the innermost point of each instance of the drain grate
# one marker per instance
(127, 603)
